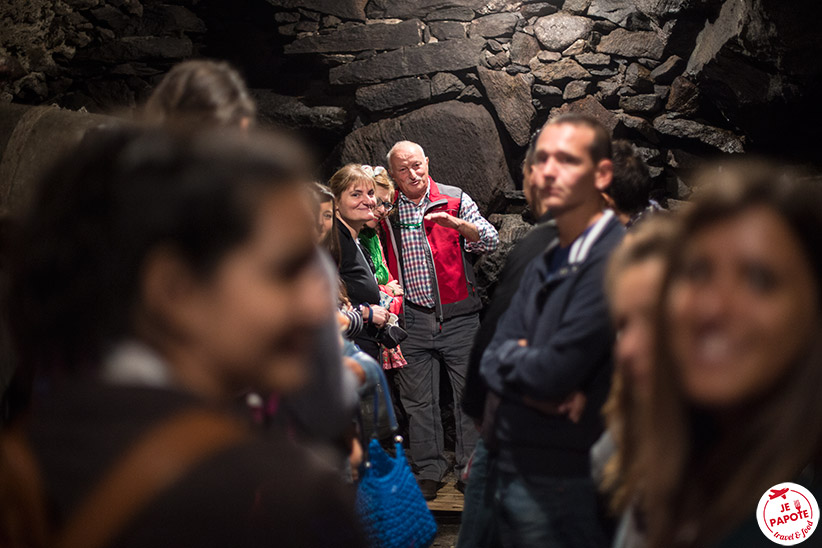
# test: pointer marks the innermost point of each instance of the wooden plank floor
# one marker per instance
(448, 499)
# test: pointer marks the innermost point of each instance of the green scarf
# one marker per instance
(371, 241)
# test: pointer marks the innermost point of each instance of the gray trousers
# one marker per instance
(428, 346)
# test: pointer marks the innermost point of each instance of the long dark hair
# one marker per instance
(701, 480)
(77, 254)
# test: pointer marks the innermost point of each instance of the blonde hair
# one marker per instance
(651, 240)
(382, 180)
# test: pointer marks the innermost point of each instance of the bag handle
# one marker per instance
(382, 386)
(163, 455)
(152, 464)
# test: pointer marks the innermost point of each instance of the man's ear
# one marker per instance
(170, 294)
(603, 174)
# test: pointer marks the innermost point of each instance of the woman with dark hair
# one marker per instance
(353, 191)
(735, 406)
(154, 278)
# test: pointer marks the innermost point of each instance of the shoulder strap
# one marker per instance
(153, 464)
(22, 516)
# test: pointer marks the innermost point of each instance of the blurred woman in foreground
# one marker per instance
(154, 278)
(735, 406)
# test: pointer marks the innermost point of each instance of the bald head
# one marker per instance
(403, 146)
(408, 166)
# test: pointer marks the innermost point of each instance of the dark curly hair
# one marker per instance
(77, 253)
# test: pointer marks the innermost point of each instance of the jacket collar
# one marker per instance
(581, 247)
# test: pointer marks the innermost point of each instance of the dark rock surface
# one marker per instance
(393, 94)
(449, 55)
(494, 25)
(379, 36)
(558, 31)
(511, 97)
(721, 139)
(460, 139)
(625, 43)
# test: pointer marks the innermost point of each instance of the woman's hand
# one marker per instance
(380, 315)
(395, 287)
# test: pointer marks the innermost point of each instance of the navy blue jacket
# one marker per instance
(564, 317)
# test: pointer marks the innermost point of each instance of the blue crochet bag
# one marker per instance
(389, 501)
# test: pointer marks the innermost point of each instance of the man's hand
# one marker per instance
(573, 406)
(467, 230)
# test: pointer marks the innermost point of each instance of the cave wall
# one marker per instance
(470, 79)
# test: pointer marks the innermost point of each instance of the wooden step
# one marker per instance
(448, 499)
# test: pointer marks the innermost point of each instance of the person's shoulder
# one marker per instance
(450, 190)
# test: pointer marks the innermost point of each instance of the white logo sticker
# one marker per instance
(787, 514)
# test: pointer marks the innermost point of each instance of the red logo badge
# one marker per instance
(787, 514)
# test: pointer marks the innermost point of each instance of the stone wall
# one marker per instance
(469, 79)
(682, 79)
(97, 55)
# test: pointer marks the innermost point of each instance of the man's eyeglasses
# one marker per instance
(388, 206)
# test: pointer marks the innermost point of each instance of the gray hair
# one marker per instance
(401, 144)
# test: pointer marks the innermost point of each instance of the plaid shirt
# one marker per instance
(417, 264)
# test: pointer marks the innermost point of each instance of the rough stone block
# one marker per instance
(133, 48)
(633, 126)
(558, 31)
(590, 107)
(447, 30)
(403, 9)
(593, 59)
(393, 94)
(549, 56)
(633, 44)
(511, 97)
(721, 139)
(346, 9)
(577, 48)
(499, 60)
(523, 48)
(446, 56)
(647, 103)
(615, 11)
(494, 25)
(578, 7)
(288, 111)
(667, 71)
(576, 89)
(541, 90)
(539, 9)
(470, 93)
(638, 78)
(683, 97)
(445, 83)
(114, 19)
(379, 36)
(451, 14)
(560, 72)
